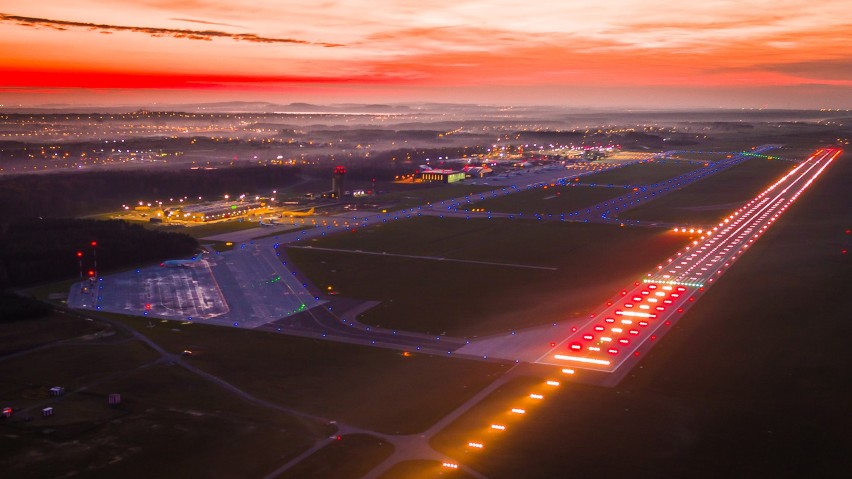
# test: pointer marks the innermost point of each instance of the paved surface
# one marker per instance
(253, 287)
(246, 287)
(606, 211)
(621, 330)
(251, 233)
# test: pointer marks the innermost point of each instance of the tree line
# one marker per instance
(36, 251)
(83, 193)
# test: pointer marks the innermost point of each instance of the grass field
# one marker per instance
(423, 470)
(71, 366)
(351, 456)
(753, 382)
(475, 426)
(644, 173)
(170, 423)
(378, 389)
(592, 261)
(18, 336)
(713, 198)
(554, 200)
(418, 195)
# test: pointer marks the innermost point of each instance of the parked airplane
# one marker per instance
(287, 214)
(297, 214)
(181, 263)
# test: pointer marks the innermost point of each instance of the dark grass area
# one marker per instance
(713, 198)
(169, 424)
(644, 173)
(69, 365)
(423, 470)
(420, 194)
(753, 382)
(368, 387)
(553, 200)
(475, 426)
(592, 261)
(351, 456)
(31, 333)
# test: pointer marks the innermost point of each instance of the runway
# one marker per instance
(615, 335)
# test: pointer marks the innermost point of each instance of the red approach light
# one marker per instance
(636, 354)
(574, 329)
(609, 303)
(592, 315)
(91, 272)
(552, 344)
(653, 337)
(692, 298)
(148, 306)
(94, 243)
(624, 293)
(79, 254)
(667, 323)
(679, 310)
(339, 170)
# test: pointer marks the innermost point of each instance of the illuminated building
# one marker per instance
(440, 176)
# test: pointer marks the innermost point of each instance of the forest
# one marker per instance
(34, 250)
(84, 193)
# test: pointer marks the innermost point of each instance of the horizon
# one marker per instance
(626, 54)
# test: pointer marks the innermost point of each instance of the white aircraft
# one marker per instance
(181, 263)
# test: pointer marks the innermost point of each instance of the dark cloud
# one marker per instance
(838, 69)
(155, 32)
(205, 23)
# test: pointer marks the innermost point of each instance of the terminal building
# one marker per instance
(216, 210)
(440, 176)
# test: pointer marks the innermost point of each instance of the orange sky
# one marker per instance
(635, 53)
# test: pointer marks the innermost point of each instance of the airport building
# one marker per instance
(216, 210)
(477, 171)
(440, 176)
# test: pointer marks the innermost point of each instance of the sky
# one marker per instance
(574, 53)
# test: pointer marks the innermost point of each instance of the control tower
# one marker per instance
(337, 182)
